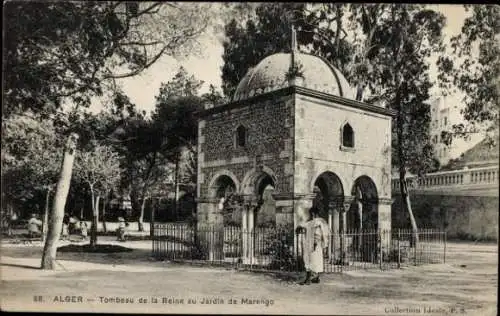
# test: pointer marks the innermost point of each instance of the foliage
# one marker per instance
(72, 50)
(214, 97)
(400, 39)
(280, 248)
(31, 157)
(475, 64)
(175, 116)
(245, 45)
(181, 85)
(98, 167)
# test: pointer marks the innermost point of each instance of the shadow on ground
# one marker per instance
(103, 254)
(99, 248)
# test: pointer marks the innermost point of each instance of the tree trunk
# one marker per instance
(152, 220)
(405, 197)
(45, 224)
(95, 216)
(57, 214)
(104, 215)
(141, 216)
(176, 197)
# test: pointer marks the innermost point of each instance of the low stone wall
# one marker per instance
(462, 217)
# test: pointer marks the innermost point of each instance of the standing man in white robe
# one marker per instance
(315, 240)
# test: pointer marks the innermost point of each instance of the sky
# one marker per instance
(142, 89)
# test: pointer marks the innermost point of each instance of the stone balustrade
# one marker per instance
(455, 178)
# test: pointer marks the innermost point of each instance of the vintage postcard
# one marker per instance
(250, 158)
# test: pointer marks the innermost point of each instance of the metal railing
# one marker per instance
(280, 249)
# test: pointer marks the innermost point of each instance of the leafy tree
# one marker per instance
(246, 45)
(176, 105)
(399, 40)
(63, 53)
(145, 162)
(57, 214)
(59, 50)
(30, 159)
(321, 30)
(100, 169)
(473, 68)
(214, 97)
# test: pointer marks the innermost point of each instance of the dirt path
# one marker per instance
(467, 282)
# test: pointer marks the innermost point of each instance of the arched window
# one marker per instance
(347, 136)
(241, 136)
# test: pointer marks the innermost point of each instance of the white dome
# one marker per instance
(269, 75)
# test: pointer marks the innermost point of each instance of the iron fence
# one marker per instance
(280, 249)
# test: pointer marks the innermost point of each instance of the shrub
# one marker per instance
(280, 245)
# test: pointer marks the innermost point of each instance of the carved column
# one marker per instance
(284, 209)
(384, 223)
(210, 228)
(347, 205)
(359, 205)
(249, 205)
(334, 209)
(344, 239)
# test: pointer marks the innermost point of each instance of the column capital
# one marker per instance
(347, 202)
(334, 206)
(283, 196)
(385, 200)
(349, 199)
(204, 199)
(306, 196)
(249, 200)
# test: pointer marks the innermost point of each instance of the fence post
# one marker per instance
(399, 248)
(444, 250)
(380, 232)
(415, 248)
(153, 244)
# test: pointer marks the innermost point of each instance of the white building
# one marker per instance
(445, 112)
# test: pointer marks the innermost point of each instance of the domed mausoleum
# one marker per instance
(269, 75)
(293, 135)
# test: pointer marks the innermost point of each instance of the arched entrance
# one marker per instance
(329, 198)
(265, 213)
(224, 190)
(258, 213)
(363, 216)
(258, 187)
(364, 210)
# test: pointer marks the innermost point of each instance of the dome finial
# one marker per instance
(294, 39)
(293, 48)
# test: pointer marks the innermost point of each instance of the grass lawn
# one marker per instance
(466, 283)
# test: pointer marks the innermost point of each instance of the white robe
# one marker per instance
(317, 231)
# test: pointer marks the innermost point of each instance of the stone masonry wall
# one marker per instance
(318, 139)
(270, 131)
(464, 217)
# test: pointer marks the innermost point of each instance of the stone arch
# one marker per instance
(220, 179)
(364, 209)
(254, 177)
(261, 183)
(329, 192)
